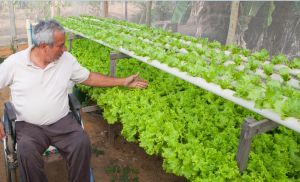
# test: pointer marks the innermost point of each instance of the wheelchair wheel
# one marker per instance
(10, 167)
(7, 171)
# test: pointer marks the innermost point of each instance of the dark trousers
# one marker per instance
(66, 135)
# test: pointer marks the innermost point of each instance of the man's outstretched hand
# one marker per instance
(2, 133)
(134, 81)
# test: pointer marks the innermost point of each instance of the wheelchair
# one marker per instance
(10, 155)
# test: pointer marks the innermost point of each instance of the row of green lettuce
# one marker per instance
(206, 61)
(195, 132)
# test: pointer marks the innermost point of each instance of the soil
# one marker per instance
(113, 159)
(6, 51)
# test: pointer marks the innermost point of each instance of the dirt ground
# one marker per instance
(112, 160)
(6, 51)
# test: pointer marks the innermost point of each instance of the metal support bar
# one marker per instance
(250, 128)
(112, 68)
(70, 40)
(75, 36)
(70, 44)
(115, 56)
(113, 62)
(90, 108)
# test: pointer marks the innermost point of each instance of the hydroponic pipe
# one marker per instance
(289, 122)
(29, 32)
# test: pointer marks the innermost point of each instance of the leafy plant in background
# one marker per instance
(284, 72)
(262, 55)
(268, 69)
(295, 63)
(279, 59)
(196, 56)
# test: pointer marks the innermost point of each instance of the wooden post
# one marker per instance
(142, 18)
(125, 10)
(148, 13)
(55, 8)
(58, 4)
(249, 130)
(70, 42)
(52, 8)
(105, 8)
(13, 31)
(233, 22)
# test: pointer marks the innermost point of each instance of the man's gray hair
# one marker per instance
(43, 32)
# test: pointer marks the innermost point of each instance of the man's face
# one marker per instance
(58, 48)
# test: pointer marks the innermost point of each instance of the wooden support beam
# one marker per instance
(148, 13)
(55, 8)
(250, 128)
(58, 4)
(105, 8)
(52, 9)
(125, 10)
(13, 31)
(234, 15)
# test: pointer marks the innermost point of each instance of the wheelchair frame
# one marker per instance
(9, 143)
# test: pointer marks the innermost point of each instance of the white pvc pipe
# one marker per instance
(289, 122)
(29, 32)
(292, 82)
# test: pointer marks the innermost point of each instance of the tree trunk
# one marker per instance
(213, 20)
(148, 13)
(283, 35)
(125, 10)
(233, 22)
(13, 31)
(105, 8)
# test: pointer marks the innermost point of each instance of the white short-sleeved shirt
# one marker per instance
(40, 96)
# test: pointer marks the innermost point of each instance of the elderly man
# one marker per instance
(38, 78)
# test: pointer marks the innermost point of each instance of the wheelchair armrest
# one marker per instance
(10, 111)
(75, 107)
(9, 117)
(74, 103)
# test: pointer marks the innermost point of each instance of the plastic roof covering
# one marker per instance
(259, 21)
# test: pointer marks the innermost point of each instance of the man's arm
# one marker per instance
(2, 133)
(6, 78)
(98, 80)
(6, 72)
